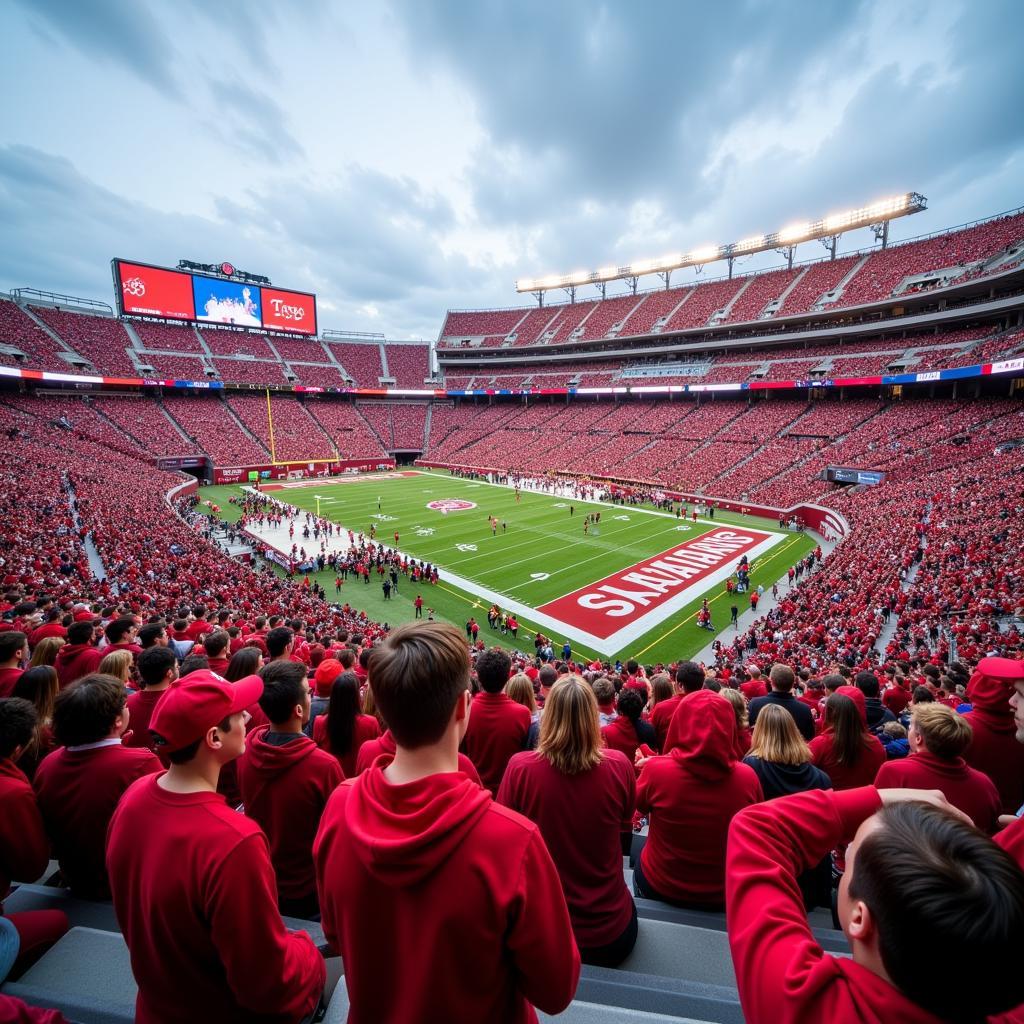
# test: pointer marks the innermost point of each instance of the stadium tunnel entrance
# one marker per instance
(199, 466)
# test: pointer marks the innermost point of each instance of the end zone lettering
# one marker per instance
(605, 607)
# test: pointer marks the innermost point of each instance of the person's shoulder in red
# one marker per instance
(662, 714)
(197, 629)
(8, 679)
(24, 846)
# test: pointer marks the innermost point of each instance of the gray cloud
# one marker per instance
(253, 121)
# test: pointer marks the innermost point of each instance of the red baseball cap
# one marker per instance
(326, 672)
(197, 703)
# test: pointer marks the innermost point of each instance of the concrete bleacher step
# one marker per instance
(672, 950)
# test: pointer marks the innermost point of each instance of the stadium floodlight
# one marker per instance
(872, 215)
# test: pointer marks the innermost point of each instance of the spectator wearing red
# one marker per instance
(285, 781)
(79, 785)
(79, 656)
(915, 868)
(343, 730)
(280, 644)
(498, 727)
(193, 886)
(783, 679)
(845, 751)
(24, 846)
(1011, 838)
(412, 852)
(384, 746)
(627, 732)
(896, 696)
(52, 626)
(691, 793)
(13, 658)
(938, 737)
(754, 686)
(324, 675)
(689, 679)
(39, 686)
(198, 627)
(215, 645)
(120, 634)
(993, 748)
(158, 668)
(582, 798)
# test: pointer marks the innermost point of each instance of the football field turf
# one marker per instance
(632, 587)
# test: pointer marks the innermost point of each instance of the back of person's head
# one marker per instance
(87, 711)
(850, 736)
(604, 690)
(833, 681)
(632, 666)
(216, 643)
(867, 683)
(739, 705)
(661, 687)
(520, 689)
(17, 724)
(945, 733)
(40, 685)
(570, 731)
(150, 634)
(689, 676)
(342, 711)
(117, 664)
(244, 662)
(894, 730)
(776, 738)
(492, 669)
(922, 695)
(753, 671)
(80, 632)
(12, 644)
(45, 652)
(782, 677)
(117, 630)
(194, 663)
(154, 664)
(923, 872)
(547, 676)
(629, 703)
(284, 688)
(713, 685)
(347, 657)
(418, 675)
(277, 640)
(931, 671)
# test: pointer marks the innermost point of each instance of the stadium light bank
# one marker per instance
(828, 231)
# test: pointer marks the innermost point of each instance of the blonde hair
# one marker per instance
(570, 731)
(739, 705)
(945, 733)
(117, 664)
(520, 689)
(777, 739)
(46, 651)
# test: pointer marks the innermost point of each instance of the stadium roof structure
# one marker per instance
(828, 229)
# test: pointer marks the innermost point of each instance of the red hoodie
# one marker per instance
(437, 865)
(24, 846)
(385, 744)
(581, 818)
(364, 729)
(782, 973)
(194, 895)
(497, 729)
(1011, 839)
(847, 776)
(76, 660)
(994, 749)
(661, 717)
(964, 787)
(285, 789)
(691, 793)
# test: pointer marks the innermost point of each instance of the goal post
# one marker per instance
(313, 460)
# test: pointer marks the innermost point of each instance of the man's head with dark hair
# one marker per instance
(279, 640)
(782, 678)
(89, 710)
(274, 621)
(833, 681)
(493, 668)
(216, 643)
(916, 870)
(867, 683)
(153, 634)
(630, 703)
(712, 684)
(922, 695)
(689, 676)
(284, 689)
(17, 724)
(12, 646)
(347, 657)
(418, 677)
(80, 632)
(154, 663)
(548, 676)
(931, 671)
(194, 663)
(118, 630)
(632, 666)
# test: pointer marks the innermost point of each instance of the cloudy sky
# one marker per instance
(407, 157)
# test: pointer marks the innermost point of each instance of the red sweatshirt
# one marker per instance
(364, 728)
(218, 665)
(437, 865)
(964, 787)
(195, 897)
(24, 846)
(994, 749)
(661, 717)
(691, 793)
(620, 735)
(849, 776)
(8, 678)
(1011, 839)
(385, 744)
(497, 729)
(581, 818)
(782, 973)
(284, 790)
(77, 792)
(14, 1011)
(76, 660)
(141, 706)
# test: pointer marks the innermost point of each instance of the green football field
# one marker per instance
(542, 566)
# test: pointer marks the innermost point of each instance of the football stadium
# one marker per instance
(455, 610)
